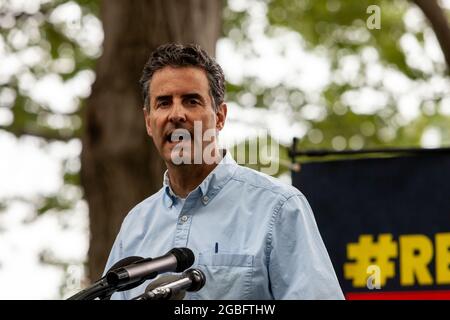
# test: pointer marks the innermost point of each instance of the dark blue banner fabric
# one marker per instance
(385, 222)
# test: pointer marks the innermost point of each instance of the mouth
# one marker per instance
(177, 136)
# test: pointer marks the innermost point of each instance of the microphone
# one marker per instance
(174, 287)
(176, 260)
(163, 280)
(101, 289)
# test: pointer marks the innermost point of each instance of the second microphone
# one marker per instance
(176, 260)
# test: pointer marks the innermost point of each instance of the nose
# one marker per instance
(178, 113)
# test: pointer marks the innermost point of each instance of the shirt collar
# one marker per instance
(211, 185)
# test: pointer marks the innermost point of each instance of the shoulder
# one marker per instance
(265, 184)
(285, 203)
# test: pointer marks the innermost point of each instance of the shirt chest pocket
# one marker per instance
(228, 276)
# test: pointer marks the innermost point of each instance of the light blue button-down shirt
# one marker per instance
(253, 237)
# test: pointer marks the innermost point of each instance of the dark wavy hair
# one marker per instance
(178, 55)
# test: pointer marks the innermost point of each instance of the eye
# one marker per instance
(163, 104)
(193, 101)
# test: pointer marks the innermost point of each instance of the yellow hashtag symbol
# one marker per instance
(366, 252)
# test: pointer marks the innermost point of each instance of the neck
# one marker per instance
(185, 178)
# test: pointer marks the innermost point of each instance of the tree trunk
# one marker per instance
(119, 163)
(438, 21)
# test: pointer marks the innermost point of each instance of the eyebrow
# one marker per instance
(193, 95)
(183, 96)
(167, 97)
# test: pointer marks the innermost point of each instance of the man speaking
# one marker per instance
(253, 237)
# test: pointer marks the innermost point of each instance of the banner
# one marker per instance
(385, 223)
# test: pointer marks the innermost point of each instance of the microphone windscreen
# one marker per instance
(197, 277)
(185, 258)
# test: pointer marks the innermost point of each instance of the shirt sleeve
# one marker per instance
(299, 265)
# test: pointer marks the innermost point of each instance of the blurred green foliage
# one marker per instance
(337, 30)
(35, 43)
(32, 29)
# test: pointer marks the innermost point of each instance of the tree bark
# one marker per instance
(119, 163)
(438, 20)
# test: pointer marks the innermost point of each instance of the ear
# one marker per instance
(147, 122)
(221, 115)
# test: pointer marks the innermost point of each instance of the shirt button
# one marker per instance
(184, 219)
(205, 199)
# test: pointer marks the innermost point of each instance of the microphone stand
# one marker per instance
(100, 289)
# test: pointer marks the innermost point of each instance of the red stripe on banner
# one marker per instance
(399, 295)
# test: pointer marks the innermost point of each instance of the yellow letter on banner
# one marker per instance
(442, 258)
(416, 252)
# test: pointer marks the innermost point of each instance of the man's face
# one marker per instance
(179, 97)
